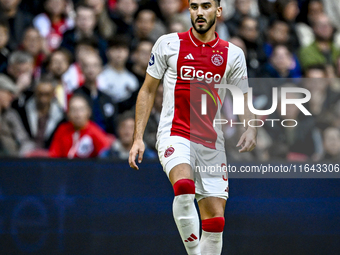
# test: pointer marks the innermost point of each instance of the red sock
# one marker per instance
(215, 224)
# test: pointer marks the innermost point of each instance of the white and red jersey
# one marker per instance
(190, 68)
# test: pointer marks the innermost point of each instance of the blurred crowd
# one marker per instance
(70, 72)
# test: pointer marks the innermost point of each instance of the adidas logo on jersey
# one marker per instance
(189, 57)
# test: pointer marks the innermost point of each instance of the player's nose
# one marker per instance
(199, 11)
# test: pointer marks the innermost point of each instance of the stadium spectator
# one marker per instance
(58, 67)
(79, 137)
(123, 16)
(116, 81)
(140, 60)
(121, 147)
(309, 11)
(74, 77)
(18, 21)
(40, 113)
(14, 139)
(72, 74)
(146, 27)
(4, 51)
(288, 10)
(331, 143)
(281, 64)
(242, 10)
(84, 30)
(104, 111)
(152, 125)
(33, 44)
(105, 26)
(323, 50)
(249, 33)
(277, 33)
(54, 22)
(20, 69)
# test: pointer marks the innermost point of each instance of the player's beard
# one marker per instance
(202, 30)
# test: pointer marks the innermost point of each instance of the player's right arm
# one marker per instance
(146, 96)
(145, 101)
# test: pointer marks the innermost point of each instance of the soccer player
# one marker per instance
(191, 64)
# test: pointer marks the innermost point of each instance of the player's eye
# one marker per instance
(194, 7)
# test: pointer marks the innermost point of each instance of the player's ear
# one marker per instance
(219, 12)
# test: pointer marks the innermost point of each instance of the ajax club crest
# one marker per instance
(169, 151)
(217, 59)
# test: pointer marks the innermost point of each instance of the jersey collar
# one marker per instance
(198, 43)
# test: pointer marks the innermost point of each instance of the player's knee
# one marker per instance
(215, 224)
(184, 186)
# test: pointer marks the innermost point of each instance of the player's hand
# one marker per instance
(247, 140)
(138, 147)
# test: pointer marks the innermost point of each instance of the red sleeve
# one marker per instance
(56, 148)
(100, 141)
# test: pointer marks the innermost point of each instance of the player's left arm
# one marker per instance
(248, 138)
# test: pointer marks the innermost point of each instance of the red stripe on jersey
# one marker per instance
(199, 67)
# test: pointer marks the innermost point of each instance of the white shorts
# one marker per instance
(208, 165)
